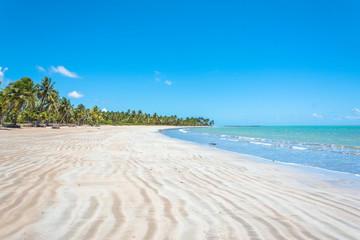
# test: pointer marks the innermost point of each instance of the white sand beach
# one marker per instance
(135, 183)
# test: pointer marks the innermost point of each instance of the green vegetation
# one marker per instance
(23, 101)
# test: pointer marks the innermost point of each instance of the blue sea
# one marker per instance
(335, 148)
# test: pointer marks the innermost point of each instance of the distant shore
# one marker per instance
(131, 182)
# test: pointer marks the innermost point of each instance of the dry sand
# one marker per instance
(135, 183)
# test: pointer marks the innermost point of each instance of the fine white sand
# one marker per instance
(135, 183)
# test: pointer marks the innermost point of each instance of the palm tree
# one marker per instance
(21, 94)
(45, 90)
(64, 108)
(22, 98)
(2, 104)
(80, 113)
(95, 112)
(52, 104)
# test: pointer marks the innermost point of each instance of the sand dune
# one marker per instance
(134, 183)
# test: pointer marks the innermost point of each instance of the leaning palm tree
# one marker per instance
(6, 102)
(80, 113)
(2, 103)
(65, 107)
(11, 98)
(45, 90)
(53, 104)
(21, 94)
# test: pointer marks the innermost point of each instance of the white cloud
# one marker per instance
(352, 117)
(159, 77)
(357, 111)
(75, 94)
(104, 110)
(40, 68)
(63, 71)
(317, 115)
(2, 73)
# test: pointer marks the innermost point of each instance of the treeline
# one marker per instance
(25, 102)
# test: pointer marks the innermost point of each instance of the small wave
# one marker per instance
(183, 130)
(353, 150)
(351, 153)
(232, 140)
(260, 143)
(303, 154)
(299, 148)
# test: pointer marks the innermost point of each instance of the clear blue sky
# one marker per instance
(238, 62)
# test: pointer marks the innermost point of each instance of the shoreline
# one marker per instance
(95, 183)
(306, 168)
(346, 180)
(223, 142)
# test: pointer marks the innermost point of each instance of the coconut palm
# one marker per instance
(43, 101)
(2, 103)
(52, 103)
(80, 113)
(5, 104)
(65, 108)
(45, 91)
(96, 114)
(21, 94)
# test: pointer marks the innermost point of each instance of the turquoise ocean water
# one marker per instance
(335, 148)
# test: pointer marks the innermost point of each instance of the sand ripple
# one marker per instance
(134, 183)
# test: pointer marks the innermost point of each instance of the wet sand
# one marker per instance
(135, 183)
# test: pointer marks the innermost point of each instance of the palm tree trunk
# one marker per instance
(63, 117)
(22, 111)
(85, 119)
(81, 119)
(41, 106)
(48, 123)
(7, 112)
(17, 115)
(16, 118)
(31, 115)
